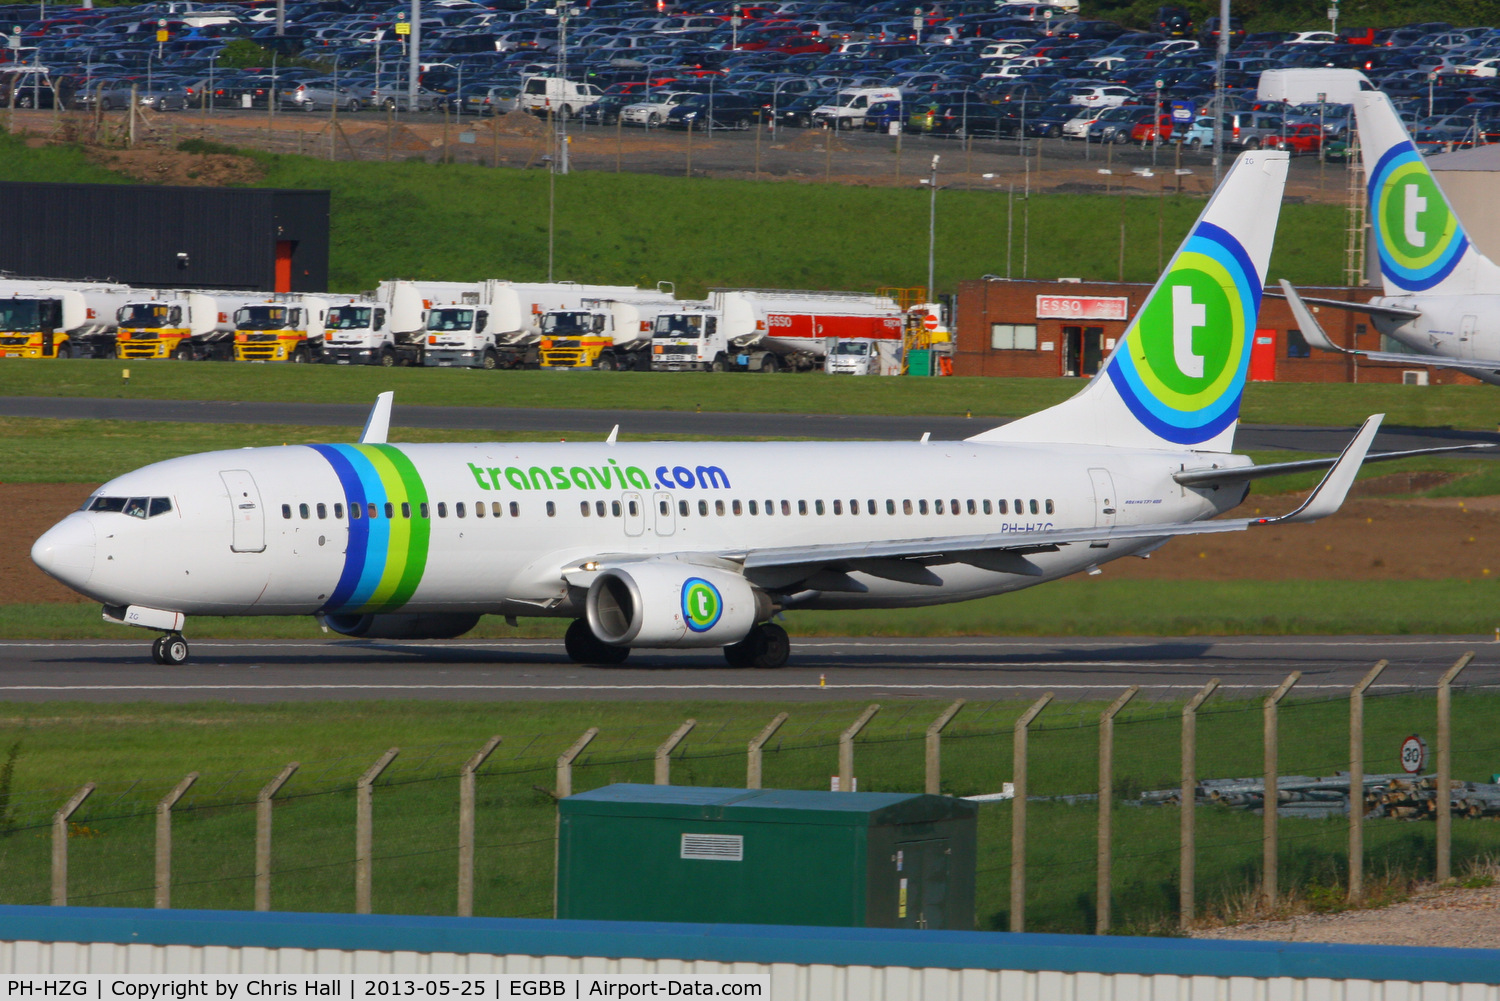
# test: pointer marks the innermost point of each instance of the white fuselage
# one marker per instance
(1451, 326)
(269, 531)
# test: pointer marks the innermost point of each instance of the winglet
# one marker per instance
(1329, 495)
(378, 424)
(1312, 330)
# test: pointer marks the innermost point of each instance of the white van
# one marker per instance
(849, 110)
(539, 93)
(1304, 86)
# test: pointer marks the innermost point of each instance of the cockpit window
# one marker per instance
(136, 507)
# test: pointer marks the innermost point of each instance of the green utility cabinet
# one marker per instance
(767, 856)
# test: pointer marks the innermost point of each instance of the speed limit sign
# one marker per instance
(1413, 754)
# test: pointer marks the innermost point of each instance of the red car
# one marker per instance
(1145, 132)
(1304, 138)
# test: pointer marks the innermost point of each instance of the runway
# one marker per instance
(837, 427)
(829, 669)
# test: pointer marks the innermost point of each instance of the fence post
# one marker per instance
(1270, 813)
(1106, 804)
(935, 750)
(664, 752)
(1357, 782)
(1018, 816)
(1443, 798)
(263, 836)
(752, 762)
(164, 838)
(846, 748)
(466, 827)
(566, 759)
(60, 845)
(1188, 846)
(364, 829)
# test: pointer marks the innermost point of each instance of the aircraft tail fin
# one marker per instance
(1177, 375)
(1421, 242)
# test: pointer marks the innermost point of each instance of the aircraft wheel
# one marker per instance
(766, 646)
(585, 648)
(174, 649)
(156, 646)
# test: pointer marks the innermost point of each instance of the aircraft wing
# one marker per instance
(1313, 333)
(1006, 552)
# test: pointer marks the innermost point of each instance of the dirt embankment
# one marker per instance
(1380, 539)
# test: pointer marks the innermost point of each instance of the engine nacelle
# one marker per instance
(403, 626)
(672, 604)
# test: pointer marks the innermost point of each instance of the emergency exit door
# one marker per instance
(665, 515)
(1105, 504)
(249, 520)
(635, 513)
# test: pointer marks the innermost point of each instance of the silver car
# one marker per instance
(654, 110)
(320, 95)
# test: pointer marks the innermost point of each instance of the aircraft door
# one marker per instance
(249, 519)
(1466, 335)
(635, 514)
(666, 517)
(1105, 502)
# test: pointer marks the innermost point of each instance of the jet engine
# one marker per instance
(671, 604)
(401, 626)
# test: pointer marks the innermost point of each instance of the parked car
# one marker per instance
(320, 95)
(1146, 131)
(714, 111)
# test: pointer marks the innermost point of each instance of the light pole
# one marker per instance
(414, 57)
(734, 29)
(932, 227)
(1221, 54)
(564, 12)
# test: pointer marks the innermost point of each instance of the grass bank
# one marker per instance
(134, 753)
(1474, 407)
(1073, 607)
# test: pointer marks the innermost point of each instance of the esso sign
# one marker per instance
(778, 320)
(930, 322)
(1413, 755)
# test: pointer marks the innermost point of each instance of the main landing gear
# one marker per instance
(767, 646)
(170, 650)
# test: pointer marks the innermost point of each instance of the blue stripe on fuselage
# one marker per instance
(359, 529)
(378, 529)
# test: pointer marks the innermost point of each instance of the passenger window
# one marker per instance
(459, 510)
(442, 509)
(614, 508)
(302, 509)
(786, 508)
(1020, 506)
(161, 505)
(770, 508)
(703, 508)
(372, 511)
(971, 506)
(906, 507)
(890, 506)
(754, 508)
(338, 511)
(599, 508)
(665, 508)
(871, 505)
(986, 505)
(1033, 506)
(937, 506)
(921, 507)
(406, 509)
(390, 510)
(1004, 506)
(515, 509)
(853, 506)
(322, 511)
(496, 509)
(551, 510)
(1050, 508)
(719, 508)
(838, 506)
(583, 508)
(802, 507)
(286, 511)
(355, 512)
(735, 507)
(682, 508)
(818, 507)
(422, 511)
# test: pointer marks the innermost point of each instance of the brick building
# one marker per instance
(1058, 329)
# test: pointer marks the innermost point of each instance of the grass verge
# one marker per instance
(136, 752)
(1076, 607)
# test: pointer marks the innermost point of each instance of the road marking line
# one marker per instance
(625, 688)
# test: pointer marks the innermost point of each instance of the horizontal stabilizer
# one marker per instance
(1328, 496)
(1242, 474)
(1313, 333)
(1370, 308)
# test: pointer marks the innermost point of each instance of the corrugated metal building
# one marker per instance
(260, 239)
(1058, 329)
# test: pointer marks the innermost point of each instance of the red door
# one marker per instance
(284, 265)
(1263, 357)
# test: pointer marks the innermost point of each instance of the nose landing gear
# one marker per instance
(169, 650)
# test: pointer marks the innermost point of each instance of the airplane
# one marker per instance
(1442, 296)
(702, 544)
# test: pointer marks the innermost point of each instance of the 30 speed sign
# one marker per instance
(1413, 754)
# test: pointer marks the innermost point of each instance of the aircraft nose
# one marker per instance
(66, 550)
